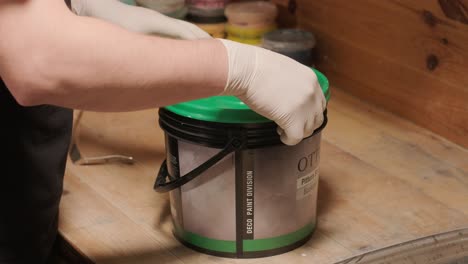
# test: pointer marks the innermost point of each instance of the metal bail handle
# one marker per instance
(161, 185)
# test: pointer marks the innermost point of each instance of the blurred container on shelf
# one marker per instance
(172, 8)
(208, 15)
(255, 42)
(215, 30)
(297, 44)
(248, 32)
(207, 8)
(251, 13)
(249, 21)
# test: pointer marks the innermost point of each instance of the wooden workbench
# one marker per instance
(383, 181)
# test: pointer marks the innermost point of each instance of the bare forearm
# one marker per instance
(88, 64)
(111, 69)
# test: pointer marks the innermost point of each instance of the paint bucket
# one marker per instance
(243, 193)
(295, 43)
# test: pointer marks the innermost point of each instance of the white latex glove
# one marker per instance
(276, 87)
(137, 19)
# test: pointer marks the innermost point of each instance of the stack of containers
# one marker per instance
(208, 15)
(295, 43)
(249, 21)
(172, 8)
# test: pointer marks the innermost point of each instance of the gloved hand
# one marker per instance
(276, 87)
(137, 19)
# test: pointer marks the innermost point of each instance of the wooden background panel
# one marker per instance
(410, 57)
(397, 32)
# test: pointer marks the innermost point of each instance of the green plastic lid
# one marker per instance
(229, 109)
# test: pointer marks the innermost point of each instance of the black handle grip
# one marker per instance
(162, 185)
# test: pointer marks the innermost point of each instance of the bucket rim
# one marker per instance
(230, 109)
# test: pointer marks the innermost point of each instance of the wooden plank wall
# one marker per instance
(407, 56)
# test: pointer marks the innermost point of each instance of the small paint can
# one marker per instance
(295, 43)
(215, 30)
(215, 26)
(208, 4)
(251, 13)
(207, 8)
(254, 42)
(249, 32)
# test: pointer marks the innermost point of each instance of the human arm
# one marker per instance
(78, 62)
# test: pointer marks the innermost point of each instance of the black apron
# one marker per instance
(34, 143)
(33, 146)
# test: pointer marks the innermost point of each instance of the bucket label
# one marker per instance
(245, 202)
(308, 174)
(306, 184)
(249, 204)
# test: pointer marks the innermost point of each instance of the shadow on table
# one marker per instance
(164, 256)
(325, 196)
(64, 253)
(108, 146)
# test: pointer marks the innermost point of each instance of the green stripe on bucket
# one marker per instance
(249, 245)
(206, 243)
(278, 242)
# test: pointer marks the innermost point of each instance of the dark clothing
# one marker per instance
(33, 146)
(34, 143)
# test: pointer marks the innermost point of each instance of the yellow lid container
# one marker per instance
(212, 28)
(215, 30)
(253, 41)
(248, 31)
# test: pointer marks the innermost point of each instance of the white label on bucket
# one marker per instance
(306, 184)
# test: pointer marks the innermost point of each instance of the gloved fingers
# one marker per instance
(315, 114)
(293, 134)
(78, 7)
(309, 127)
(279, 130)
(323, 101)
(318, 121)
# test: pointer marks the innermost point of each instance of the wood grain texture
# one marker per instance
(455, 9)
(383, 181)
(281, 3)
(404, 55)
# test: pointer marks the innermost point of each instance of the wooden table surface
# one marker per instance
(383, 181)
